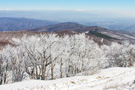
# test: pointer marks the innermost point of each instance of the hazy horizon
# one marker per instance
(64, 15)
(110, 8)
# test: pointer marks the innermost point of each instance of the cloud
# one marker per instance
(79, 10)
(5, 9)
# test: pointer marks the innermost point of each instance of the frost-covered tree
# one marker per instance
(121, 55)
(48, 56)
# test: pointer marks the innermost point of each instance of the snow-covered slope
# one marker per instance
(106, 79)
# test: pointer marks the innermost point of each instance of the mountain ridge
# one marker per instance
(17, 24)
(75, 28)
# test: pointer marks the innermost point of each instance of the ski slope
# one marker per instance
(106, 79)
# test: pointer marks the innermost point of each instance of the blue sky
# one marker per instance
(125, 5)
(120, 8)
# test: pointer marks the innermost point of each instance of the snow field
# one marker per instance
(106, 79)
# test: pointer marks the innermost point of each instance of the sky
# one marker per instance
(127, 5)
(120, 7)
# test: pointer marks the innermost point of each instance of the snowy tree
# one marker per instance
(48, 56)
(121, 55)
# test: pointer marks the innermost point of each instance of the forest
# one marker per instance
(49, 56)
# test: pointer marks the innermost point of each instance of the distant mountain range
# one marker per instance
(17, 24)
(67, 26)
(121, 26)
(94, 31)
(97, 33)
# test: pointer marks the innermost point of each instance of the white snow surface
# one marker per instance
(115, 78)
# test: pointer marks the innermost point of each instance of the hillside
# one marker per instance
(16, 24)
(107, 79)
(102, 35)
(67, 26)
(72, 28)
(6, 37)
(99, 34)
(19, 24)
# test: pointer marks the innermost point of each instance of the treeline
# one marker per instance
(48, 56)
